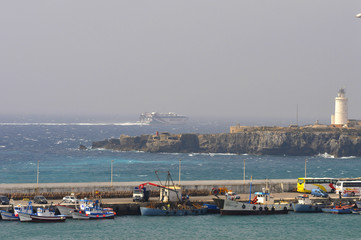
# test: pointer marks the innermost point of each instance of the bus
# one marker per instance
(348, 187)
(305, 185)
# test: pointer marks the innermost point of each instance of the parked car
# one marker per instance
(318, 193)
(4, 200)
(70, 199)
(40, 199)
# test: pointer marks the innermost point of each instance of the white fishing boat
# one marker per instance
(14, 215)
(262, 204)
(93, 212)
(41, 215)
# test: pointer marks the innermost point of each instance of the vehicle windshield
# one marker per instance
(137, 191)
(3, 198)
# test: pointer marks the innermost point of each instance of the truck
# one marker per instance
(140, 194)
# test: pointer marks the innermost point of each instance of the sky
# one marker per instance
(202, 58)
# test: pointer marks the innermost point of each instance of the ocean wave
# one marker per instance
(76, 124)
(325, 155)
(2, 146)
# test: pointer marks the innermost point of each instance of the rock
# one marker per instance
(271, 141)
(82, 147)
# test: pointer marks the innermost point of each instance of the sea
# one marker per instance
(54, 146)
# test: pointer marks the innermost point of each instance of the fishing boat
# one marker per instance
(339, 209)
(41, 215)
(93, 212)
(80, 205)
(13, 215)
(305, 204)
(262, 204)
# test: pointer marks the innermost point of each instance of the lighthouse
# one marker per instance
(341, 110)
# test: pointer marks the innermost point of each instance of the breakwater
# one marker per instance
(253, 140)
(126, 188)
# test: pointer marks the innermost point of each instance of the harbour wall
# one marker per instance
(105, 188)
(252, 140)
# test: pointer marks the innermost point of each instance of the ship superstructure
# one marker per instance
(162, 118)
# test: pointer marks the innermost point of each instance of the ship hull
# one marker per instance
(145, 211)
(242, 208)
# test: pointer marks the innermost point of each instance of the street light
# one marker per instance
(358, 15)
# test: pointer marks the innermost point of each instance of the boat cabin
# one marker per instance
(304, 199)
(264, 198)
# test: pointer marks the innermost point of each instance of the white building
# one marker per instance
(341, 110)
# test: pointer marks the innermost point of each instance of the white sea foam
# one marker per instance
(76, 124)
(326, 155)
(2, 146)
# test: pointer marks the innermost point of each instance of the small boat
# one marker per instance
(305, 204)
(41, 215)
(262, 204)
(93, 212)
(80, 205)
(339, 209)
(13, 215)
(173, 210)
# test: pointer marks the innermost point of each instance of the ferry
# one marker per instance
(162, 118)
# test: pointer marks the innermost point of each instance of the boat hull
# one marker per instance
(337, 211)
(24, 217)
(307, 208)
(55, 218)
(8, 216)
(65, 210)
(83, 216)
(243, 208)
(145, 211)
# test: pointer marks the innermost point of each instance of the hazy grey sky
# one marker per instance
(237, 59)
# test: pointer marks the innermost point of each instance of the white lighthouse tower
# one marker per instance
(341, 110)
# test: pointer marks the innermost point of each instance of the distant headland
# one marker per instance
(293, 140)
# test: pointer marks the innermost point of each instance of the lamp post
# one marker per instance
(305, 167)
(111, 173)
(358, 15)
(179, 183)
(244, 171)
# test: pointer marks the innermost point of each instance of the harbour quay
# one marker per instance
(118, 195)
(237, 186)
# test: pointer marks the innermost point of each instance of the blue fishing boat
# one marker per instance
(93, 211)
(305, 204)
(339, 209)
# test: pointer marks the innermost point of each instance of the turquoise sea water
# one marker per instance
(56, 147)
(289, 226)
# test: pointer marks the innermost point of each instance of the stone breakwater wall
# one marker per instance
(125, 189)
(259, 141)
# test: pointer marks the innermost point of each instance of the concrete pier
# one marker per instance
(238, 186)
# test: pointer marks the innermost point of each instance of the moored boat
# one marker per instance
(41, 215)
(339, 209)
(93, 212)
(14, 215)
(262, 204)
(177, 210)
(305, 204)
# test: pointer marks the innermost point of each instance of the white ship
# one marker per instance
(162, 118)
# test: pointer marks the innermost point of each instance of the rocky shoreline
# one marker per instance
(255, 140)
